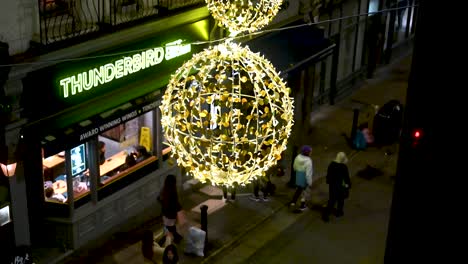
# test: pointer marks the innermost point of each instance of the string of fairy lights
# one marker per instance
(226, 113)
(208, 42)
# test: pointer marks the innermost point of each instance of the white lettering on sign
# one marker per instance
(22, 260)
(150, 106)
(117, 121)
(89, 133)
(87, 80)
(175, 49)
(94, 77)
(129, 115)
(110, 124)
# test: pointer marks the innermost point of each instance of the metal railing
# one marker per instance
(65, 19)
(62, 20)
(124, 11)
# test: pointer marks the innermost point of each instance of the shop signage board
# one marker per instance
(126, 66)
(141, 66)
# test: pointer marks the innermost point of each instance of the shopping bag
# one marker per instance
(195, 242)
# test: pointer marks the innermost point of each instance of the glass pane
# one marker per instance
(125, 148)
(165, 148)
(55, 177)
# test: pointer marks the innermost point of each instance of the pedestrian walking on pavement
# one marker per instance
(265, 185)
(232, 190)
(339, 184)
(171, 208)
(260, 183)
(303, 169)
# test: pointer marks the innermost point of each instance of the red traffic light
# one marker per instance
(417, 134)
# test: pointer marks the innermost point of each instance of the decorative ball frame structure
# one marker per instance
(227, 115)
(243, 15)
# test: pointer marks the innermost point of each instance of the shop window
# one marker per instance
(125, 149)
(55, 175)
(124, 154)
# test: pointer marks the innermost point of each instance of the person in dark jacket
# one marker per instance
(130, 161)
(102, 152)
(170, 206)
(338, 185)
(141, 153)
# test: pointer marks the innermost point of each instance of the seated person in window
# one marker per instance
(52, 196)
(48, 174)
(102, 152)
(130, 161)
(141, 153)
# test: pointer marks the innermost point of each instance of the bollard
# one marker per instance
(354, 126)
(204, 222)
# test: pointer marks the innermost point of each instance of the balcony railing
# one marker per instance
(62, 20)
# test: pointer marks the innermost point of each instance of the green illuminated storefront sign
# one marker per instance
(128, 65)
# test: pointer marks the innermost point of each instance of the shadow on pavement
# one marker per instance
(369, 172)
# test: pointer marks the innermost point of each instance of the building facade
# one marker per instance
(80, 74)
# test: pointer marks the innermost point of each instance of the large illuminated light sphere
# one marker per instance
(227, 115)
(243, 15)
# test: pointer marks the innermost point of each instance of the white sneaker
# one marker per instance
(265, 199)
(253, 198)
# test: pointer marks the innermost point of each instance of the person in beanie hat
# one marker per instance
(303, 168)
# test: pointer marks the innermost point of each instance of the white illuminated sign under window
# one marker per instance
(5, 215)
(128, 65)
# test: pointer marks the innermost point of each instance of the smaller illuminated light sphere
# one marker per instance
(227, 115)
(243, 15)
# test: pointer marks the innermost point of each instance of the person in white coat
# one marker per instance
(303, 168)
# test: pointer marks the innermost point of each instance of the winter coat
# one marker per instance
(303, 164)
(170, 208)
(337, 176)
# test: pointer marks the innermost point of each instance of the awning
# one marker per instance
(288, 47)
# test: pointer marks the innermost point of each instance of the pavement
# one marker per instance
(231, 224)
